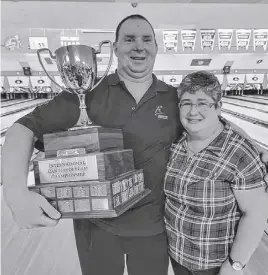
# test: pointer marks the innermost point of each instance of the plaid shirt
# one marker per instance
(201, 212)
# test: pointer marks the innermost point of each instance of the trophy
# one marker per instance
(86, 172)
(77, 67)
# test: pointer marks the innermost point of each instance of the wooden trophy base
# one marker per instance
(95, 214)
(95, 199)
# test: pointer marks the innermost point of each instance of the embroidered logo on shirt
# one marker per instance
(159, 113)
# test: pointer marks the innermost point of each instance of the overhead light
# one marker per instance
(259, 61)
(255, 78)
(235, 78)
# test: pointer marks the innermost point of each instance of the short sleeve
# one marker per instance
(58, 114)
(250, 169)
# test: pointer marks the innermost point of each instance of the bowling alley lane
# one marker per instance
(247, 104)
(20, 105)
(250, 112)
(256, 99)
(5, 103)
(7, 121)
(257, 132)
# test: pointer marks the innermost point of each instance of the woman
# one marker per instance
(216, 204)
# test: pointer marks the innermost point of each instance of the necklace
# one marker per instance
(204, 144)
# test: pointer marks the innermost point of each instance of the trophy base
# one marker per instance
(95, 199)
(97, 214)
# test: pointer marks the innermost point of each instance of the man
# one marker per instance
(146, 110)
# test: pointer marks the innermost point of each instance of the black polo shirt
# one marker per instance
(149, 128)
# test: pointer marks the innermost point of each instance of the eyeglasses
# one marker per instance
(200, 106)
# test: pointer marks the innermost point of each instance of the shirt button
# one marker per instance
(133, 108)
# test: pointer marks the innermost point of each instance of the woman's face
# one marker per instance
(198, 113)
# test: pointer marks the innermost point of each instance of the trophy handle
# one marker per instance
(110, 61)
(42, 65)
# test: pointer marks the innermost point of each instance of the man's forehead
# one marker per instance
(136, 27)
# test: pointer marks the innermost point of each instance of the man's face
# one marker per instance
(198, 119)
(136, 48)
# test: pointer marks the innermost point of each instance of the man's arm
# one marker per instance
(244, 134)
(29, 209)
(262, 151)
(254, 206)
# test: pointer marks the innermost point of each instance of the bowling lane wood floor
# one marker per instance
(52, 251)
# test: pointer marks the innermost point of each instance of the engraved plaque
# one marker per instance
(100, 204)
(116, 187)
(117, 200)
(136, 189)
(68, 169)
(98, 190)
(130, 182)
(66, 206)
(124, 185)
(70, 152)
(81, 191)
(82, 205)
(64, 192)
(140, 176)
(131, 192)
(48, 192)
(135, 178)
(124, 196)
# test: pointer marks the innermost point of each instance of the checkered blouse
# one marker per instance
(201, 212)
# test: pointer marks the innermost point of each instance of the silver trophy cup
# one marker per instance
(77, 66)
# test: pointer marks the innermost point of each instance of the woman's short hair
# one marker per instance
(201, 81)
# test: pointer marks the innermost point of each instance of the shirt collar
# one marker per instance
(160, 86)
(217, 146)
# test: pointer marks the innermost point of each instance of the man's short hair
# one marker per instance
(201, 81)
(132, 16)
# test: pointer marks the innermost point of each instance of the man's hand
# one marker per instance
(226, 269)
(30, 209)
